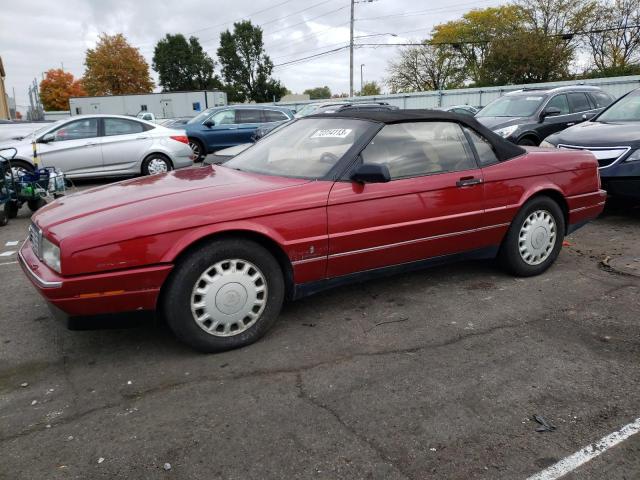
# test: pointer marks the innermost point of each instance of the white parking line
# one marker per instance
(588, 453)
(8, 263)
(7, 253)
(11, 244)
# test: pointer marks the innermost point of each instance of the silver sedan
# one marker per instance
(103, 146)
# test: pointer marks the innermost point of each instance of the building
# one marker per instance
(162, 105)
(4, 98)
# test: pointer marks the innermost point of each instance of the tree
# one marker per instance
(246, 68)
(614, 38)
(370, 88)
(318, 92)
(114, 67)
(184, 65)
(57, 87)
(472, 37)
(429, 67)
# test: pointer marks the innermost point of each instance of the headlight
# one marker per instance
(546, 144)
(506, 131)
(634, 157)
(50, 254)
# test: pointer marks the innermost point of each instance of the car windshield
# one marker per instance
(307, 109)
(512, 106)
(625, 110)
(201, 117)
(49, 126)
(307, 148)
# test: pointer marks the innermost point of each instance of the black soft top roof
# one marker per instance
(503, 148)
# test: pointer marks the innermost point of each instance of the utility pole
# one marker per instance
(361, 78)
(353, 4)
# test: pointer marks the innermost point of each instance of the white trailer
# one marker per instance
(162, 105)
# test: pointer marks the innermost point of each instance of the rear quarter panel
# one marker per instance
(572, 174)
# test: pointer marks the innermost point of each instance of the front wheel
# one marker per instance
(224, 295)
(36, 204)
(198, 149)
(534, 239)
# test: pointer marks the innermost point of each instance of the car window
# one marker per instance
(627, 109)
(579, 102)
(600, 99)
(86, 128)
(559, 101)
(118, 126)
(226, 117)
(486, 155)
(420, 148)
(513, 106)
(249, 115)
(274, 116)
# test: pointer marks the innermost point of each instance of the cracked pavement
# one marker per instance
(432, 374)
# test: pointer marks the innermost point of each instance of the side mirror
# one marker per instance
(371, 173)
(551, 112)
(49, 137)
(209, 123)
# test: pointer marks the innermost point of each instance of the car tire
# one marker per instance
(4, 218)
(527, 142)
(36, 204)
(224, 295)
(534, 239)
(21, 165)
(198, 149)
(156, 163)
(11, 209)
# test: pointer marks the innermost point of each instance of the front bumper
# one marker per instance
(95, 294)
(622, 186)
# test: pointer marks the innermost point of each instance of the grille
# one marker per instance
(35, 236)
(606, 156)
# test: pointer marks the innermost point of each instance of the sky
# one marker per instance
(37, 35)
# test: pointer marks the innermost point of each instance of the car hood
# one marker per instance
(597, 134)
(494, 123)
(180, 199)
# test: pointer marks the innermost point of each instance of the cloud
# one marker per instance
(37, 35)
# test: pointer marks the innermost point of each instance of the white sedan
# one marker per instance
(104, 146)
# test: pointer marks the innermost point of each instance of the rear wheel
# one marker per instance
(36, 204)
(156, 163)
(11, 208)
(534, 239)
(20, 167)
(224, 295)
(198, 149)
(527, 142)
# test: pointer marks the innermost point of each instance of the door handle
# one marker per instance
(468, 181)
(570, 124)
(91, 144)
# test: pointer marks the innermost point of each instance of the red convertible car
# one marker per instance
(327, 200)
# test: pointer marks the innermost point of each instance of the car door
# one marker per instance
(581, 107)
(124, 145)
(74, 149)
(555, 123)
(431, 207)
(247, 121)
(219, 130)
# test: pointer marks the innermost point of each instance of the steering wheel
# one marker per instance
(329, 157)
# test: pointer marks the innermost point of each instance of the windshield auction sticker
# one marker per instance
(332, 133)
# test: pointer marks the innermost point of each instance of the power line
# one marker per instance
(334, 50)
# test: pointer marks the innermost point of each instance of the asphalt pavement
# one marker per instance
(433, 374)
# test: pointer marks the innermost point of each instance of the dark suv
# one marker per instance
(528, 116)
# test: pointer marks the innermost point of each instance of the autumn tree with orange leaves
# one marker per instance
(57, 87)
(114, 67)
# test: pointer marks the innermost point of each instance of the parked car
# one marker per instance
(19, 130)
(104, 146)
(147, 116)
(224, 127)
(179, 122)
(338, 106)
(459, 109)
(528, 116)
(614, 138)
(327, 200)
